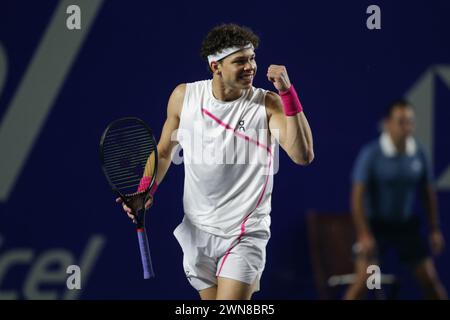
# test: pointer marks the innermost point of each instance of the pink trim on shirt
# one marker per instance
(241, 135)
(247, 138)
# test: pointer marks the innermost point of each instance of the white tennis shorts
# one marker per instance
(207, 256)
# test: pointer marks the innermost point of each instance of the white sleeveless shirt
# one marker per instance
(228, 159)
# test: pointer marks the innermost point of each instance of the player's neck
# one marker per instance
(224, 93)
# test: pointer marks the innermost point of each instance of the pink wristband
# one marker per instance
(145, 182)
(291, 103)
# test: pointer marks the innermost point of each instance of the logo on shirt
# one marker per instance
(188, 275)
(416, 165)
(241, 125)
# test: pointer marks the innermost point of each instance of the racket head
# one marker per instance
(128, 150)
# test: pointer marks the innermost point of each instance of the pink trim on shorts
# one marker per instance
(247, 138)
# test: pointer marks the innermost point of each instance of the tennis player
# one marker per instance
(228, 130)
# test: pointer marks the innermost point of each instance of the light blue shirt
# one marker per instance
(391, 178)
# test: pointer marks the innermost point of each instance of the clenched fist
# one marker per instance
(279, 76)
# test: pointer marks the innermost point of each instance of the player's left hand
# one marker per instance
(279, 76)
(437, 241)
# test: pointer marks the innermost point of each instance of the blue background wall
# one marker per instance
(61, 211)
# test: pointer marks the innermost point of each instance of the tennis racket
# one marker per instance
(128, 151)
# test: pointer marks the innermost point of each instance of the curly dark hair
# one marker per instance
(227, 35)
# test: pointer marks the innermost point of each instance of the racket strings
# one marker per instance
(126, 150)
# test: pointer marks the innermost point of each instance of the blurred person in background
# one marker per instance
(385, 178)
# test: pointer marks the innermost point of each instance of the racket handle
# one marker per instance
(145, 253)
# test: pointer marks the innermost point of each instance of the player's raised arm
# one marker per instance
(286, 116)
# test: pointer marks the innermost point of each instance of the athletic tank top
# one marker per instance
(228, 161)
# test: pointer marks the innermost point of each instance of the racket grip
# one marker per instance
(145, 254)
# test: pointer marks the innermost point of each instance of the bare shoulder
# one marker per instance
(176, 100)
(179, 91)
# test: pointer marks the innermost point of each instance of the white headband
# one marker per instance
(226, 52)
